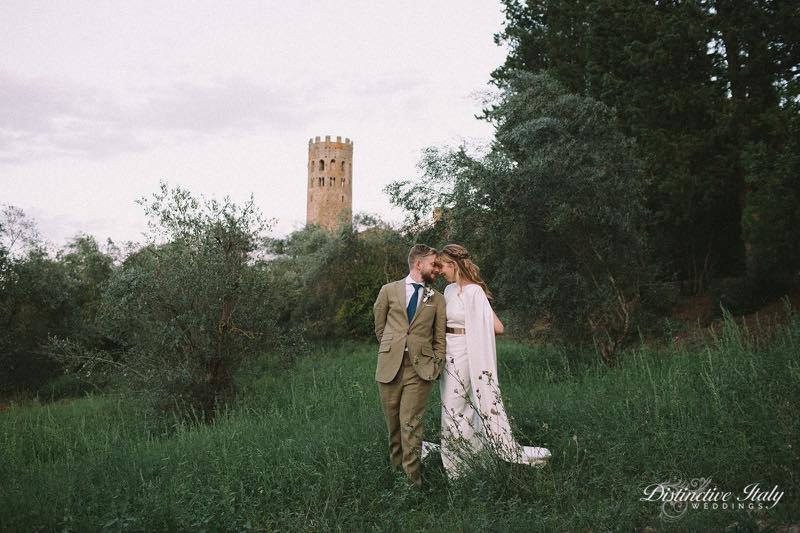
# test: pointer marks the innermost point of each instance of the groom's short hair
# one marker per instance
(418, 251)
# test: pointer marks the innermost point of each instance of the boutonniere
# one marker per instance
(427, 294)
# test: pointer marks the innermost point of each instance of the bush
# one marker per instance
(186, 311)
(41, 296)
(36, 300)
(329, 280)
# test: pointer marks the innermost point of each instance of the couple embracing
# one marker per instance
(425, 336)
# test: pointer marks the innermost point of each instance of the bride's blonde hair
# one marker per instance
(465, 268)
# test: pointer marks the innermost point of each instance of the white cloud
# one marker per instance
(98, 102)
(42, 119)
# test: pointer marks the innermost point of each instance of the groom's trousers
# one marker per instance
(404, 400)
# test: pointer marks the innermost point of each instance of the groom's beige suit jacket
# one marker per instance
(425, 335)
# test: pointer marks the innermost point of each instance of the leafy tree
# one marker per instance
(184, 310)
(330, 279)
(756, 47)
(772, 217)
(554, 210)
(88, 269)
(35, 301)
(18, 232)
(691, 82)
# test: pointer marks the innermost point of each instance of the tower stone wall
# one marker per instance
(330, 181)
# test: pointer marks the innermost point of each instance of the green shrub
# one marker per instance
(184, 310)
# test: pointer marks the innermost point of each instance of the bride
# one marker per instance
(473, 415)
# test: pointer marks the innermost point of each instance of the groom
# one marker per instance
(410, 325)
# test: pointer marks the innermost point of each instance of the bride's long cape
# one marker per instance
(482, 351)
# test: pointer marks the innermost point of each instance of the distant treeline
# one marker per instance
(175, 316)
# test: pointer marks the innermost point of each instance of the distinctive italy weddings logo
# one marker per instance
(678, 496)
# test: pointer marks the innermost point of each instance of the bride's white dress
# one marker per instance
(473, 415)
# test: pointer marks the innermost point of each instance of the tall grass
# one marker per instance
(306, 449)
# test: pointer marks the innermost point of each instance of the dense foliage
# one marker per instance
(41, 295)
(554, 212)
(706, 88)
(637, 146)
(329, 280)
(175, 317)
(181, 312)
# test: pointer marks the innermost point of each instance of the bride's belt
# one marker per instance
(457, 331)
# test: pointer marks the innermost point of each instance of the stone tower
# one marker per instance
(330, 181)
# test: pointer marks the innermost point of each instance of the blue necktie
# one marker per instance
(412, 303)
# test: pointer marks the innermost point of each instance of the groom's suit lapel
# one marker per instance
(401, 296)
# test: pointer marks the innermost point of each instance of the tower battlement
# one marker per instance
(316, 140)
(330, 181)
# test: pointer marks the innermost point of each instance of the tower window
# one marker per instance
(332, 182)
(342, 199)
(321, 181)
(342, 167)
(321, 164)
(333, 164)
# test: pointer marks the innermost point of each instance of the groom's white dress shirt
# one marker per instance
(410, 290)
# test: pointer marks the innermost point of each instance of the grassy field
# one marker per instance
(305, 449)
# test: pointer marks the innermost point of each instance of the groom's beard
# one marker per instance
(428, 277)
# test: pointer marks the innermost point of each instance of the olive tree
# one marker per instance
(185, 309)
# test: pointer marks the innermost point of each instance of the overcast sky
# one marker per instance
(101, 100)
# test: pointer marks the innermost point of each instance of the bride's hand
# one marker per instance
(498, 326)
